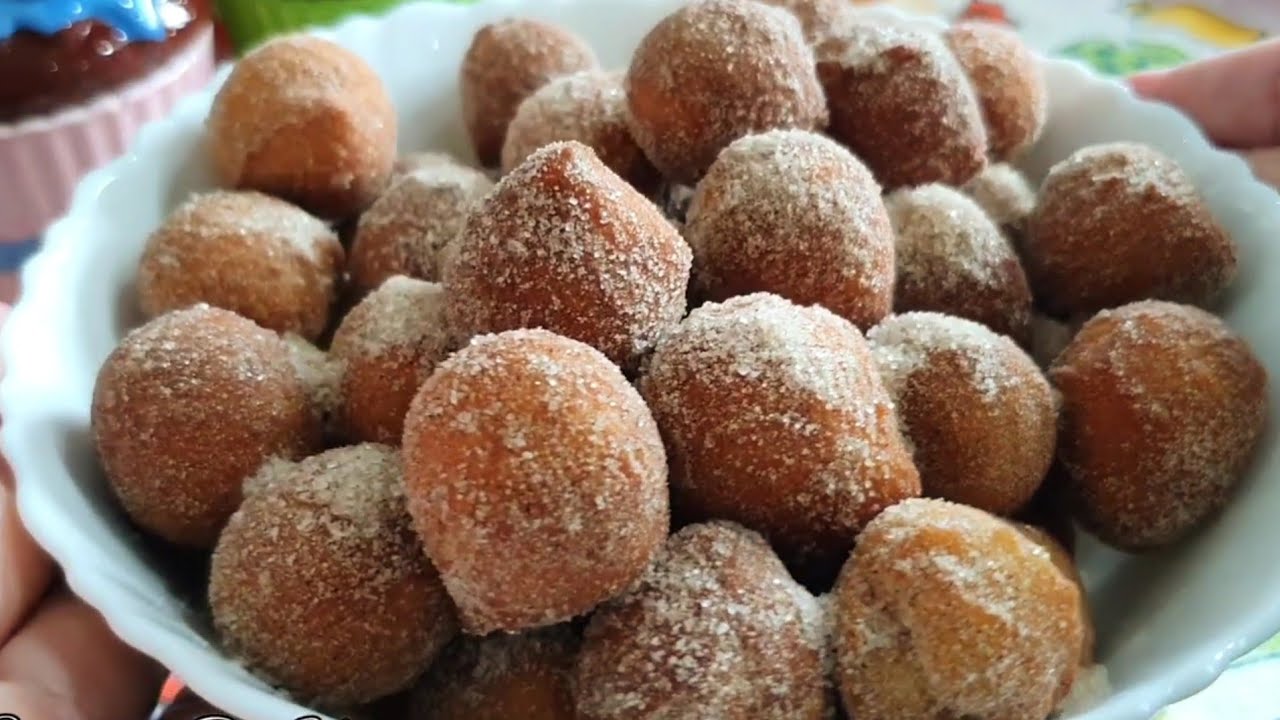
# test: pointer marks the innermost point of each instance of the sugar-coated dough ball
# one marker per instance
(1120, 222)
(536, 477)
(1006, 196)
(976, 410)
(565, 244)
(1162, 408)
(246, 252)
(185, 408)
(305, 120)
(506, 62)
(818, 18)
(319, 583)
(901, 102)
(775, 417)
(405, 230)
(715, 629)
(714, 71)
(590, 107)
(1007, 79)
(388, 345)
(944, 611)
(501, 677)
(1065, 563)
(793, 213)
(952, 259)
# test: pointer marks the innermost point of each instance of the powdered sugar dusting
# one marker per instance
(716, 628)
(403, 315)
(565, 244)
(904, 344)
(1005, 195)
(321, 375)
(794, 213)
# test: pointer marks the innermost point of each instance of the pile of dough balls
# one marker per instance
(749, 380)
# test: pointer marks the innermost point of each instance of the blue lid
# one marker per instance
(134, 19)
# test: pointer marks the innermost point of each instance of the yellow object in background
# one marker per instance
(1198, 22)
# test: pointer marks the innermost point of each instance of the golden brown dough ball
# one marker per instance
(500, 677)
(565, 244)
(321, 377)
(818, 18)
(185, 408)
(407, 227)
(1121, 222)
(944, 611)
(1006, 196)
(714, 71)
(1007, 79)
(320, 585)
(590, 107)
(506, 62)
(246, 252)
(1066, 564)
(715, 629)
(775, 417)
(977, 411)
(388, 346)
(794, 213)
(532, 452)
(1162, 408)
(952, 259)
(901, 102)
(305, 120)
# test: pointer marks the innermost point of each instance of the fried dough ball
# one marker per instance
(321, 377)
(775, 417)
(1007, 80)
(185, 408)
(1162, 408)
(565, 244)
(714, 71)
(320, 585)
(952, 259)
(305, 120)
(717, 629)
(388, 346)
(1066, 564)
(1006, 197)
(794, 213)
(590, 107)
(506, 62)
(944, 611)
(901, 102)
(1120, 222)
(500, 677)
(533, 449)
(407, 227)
(818, 18)
(977, 411)
(246, 252)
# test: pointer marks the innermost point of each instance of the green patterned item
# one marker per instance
(249, 22)
(1114, 58)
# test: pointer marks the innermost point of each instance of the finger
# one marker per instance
(25, 571)
(67, 652)
(190, 707)
(1235, 97)
(24, 701)
(1265, 164)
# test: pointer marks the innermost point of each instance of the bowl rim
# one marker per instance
(1218, 652)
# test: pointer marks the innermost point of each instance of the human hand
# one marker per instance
(1234, 97)
(58, 659)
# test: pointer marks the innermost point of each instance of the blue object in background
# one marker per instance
(133, 19)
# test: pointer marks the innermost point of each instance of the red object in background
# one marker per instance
(988, 11)
(170, 691)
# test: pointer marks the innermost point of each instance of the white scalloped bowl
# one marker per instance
(1168, 623)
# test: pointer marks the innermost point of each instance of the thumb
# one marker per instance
(1234, 97)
